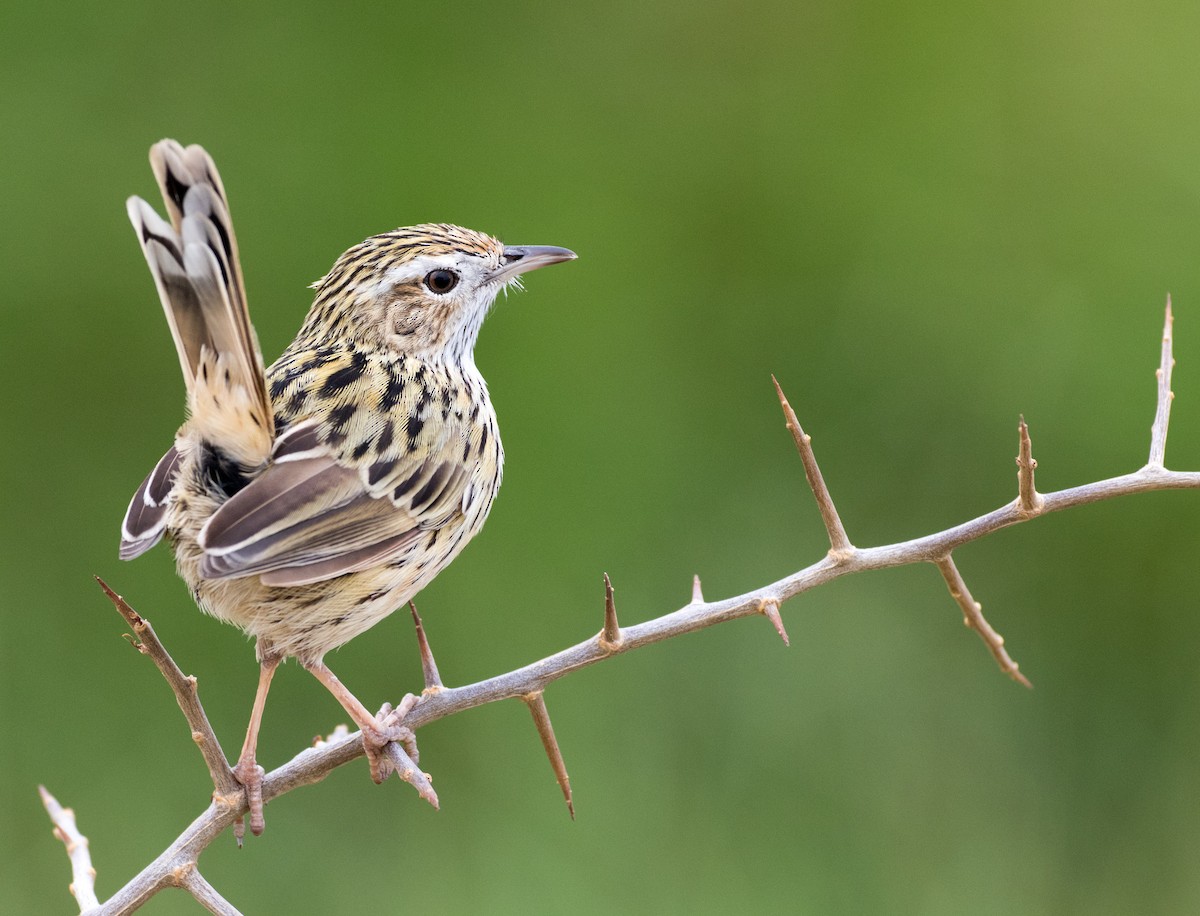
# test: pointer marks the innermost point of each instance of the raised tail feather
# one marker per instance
(194, 261)
(195, 265)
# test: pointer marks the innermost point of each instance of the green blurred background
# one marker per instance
(924, 218)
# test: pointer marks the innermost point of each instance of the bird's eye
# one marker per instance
(441, 281)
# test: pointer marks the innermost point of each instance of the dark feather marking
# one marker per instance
(175, 188)
(406, 485)
(221, 262)
(384, 442)
(393, 392)
(220, 472)
(340, 416)
(361, 450)
(413, 427)
(167, 243)
(379, 470)
(432, 487)
(347, 375)
(224, 243)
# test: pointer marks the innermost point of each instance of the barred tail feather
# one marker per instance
(194, 262)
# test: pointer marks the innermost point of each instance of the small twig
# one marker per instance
(541, 718)
(1028, 497)
(227, 788)
(697, 591)
(433, 680)
(610, 636)
(83, 875)
(1162, 412)
(839, 543)
(206, 895)
(973, 618)
(408, 770)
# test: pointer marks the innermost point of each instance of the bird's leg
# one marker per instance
(377, 731)
(247, 771)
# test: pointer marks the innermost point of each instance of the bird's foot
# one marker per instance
(250, 775)
(388, 728)
(391, 747)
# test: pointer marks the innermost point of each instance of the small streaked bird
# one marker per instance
(307, 501)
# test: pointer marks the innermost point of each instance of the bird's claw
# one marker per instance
(390, 728)
(250, 775)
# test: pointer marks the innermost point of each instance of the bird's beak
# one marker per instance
(519, 259)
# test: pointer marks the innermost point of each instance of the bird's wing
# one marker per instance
(146, 517)
(340, 496)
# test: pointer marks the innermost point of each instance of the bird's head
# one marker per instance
(422, 290)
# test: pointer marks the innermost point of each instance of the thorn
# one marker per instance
(839, 544)
(610, 637)
(769, 607)
(541, 718)
(1162, 413)
(697, 594)
(1028, 498)
(433, 680)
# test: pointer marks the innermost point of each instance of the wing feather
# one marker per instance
(146, 517)
(339, 493)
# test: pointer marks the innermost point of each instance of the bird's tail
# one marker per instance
(194, 260)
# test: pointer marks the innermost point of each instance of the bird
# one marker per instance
(306, 501)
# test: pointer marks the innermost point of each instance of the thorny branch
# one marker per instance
(177, 865)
